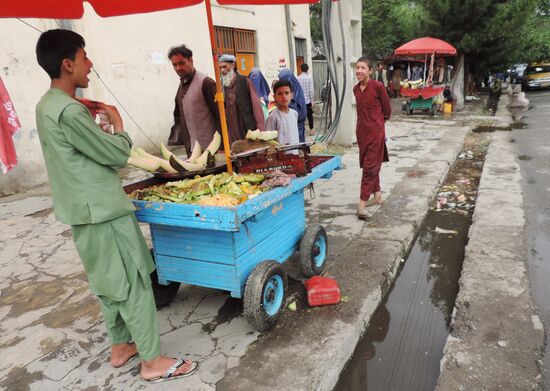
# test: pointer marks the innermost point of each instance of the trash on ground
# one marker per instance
(444, 231)
(322, 290)
(292, 306)
(345, 299)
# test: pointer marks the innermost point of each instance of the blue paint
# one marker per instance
(218, 247)
(273, 295)
(320, 244)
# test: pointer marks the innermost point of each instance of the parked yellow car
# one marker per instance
(537, 75)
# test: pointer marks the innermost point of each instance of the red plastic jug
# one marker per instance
(321, 291)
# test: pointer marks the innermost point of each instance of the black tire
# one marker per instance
(313, 250)
(265, 295)
(164, 294)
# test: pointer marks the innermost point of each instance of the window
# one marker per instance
(238, 42)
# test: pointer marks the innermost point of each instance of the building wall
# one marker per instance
(351, 17)
(129, 54)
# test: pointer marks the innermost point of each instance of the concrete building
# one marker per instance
(129, 54)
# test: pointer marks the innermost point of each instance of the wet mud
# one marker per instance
(404, 342)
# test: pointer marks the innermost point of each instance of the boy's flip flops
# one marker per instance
(169, 374)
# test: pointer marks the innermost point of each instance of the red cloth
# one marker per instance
(373, 109)
(424, 93)
(9, 124)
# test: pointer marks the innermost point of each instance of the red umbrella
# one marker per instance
(426, 45)
(73, 9)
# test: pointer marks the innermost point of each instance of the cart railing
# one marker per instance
(227, 218)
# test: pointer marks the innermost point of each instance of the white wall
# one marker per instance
(129, 53)
(351, 16)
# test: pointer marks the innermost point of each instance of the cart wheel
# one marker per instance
(164, 294)
(313, 250)
(264, 295)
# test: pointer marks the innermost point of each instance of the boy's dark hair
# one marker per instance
(282, 83)
(304, 67)
(181, 50)
(54, 46)
(366, 60)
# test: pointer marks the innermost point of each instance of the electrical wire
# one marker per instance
(124, 108)
(334, 83)
(30, 25)
(107, 88)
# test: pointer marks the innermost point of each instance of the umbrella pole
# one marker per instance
(425, 61)
(219, 93)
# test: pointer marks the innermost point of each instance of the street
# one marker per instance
(533, 148)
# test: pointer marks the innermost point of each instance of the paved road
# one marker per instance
(533, 148)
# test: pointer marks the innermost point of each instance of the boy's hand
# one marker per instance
(114, 117)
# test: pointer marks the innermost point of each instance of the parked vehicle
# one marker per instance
(516, 73)
(537, 75)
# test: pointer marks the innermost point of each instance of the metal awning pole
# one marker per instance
(219, 93)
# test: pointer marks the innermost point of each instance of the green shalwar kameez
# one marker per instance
(81, 161)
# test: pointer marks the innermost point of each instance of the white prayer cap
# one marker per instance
(227, 58)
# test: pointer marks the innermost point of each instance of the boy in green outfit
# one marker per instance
(81, 160)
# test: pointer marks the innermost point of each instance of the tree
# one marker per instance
(386, 24)
(315, 22)
(487, 32)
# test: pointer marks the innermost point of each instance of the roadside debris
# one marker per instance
(444, 231)
(458, 193)
(322, 291)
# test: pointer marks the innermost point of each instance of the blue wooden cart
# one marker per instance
(239, 249)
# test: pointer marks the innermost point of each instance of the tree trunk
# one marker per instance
(457, 86)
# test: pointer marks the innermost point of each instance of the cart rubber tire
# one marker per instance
(313, 250)
(164, 294)
(265, 295)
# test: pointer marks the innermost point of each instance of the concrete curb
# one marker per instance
(365, 279)
(497, 337)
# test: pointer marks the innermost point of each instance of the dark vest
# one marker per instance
(245, 114)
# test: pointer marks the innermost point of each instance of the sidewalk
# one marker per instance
(53, 337)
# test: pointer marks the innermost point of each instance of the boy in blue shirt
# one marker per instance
(283, 118)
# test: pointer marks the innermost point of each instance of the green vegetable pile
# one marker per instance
(213, 190)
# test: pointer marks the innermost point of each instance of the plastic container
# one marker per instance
(322, 291)
(447, 107)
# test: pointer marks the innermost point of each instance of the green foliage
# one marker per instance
(491, 33)
(315, 21)
(386, 24)
(537, 34)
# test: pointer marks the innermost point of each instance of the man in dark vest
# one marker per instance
(242, 105)
(196, 115)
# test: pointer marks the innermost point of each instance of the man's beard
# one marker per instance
(227, 79)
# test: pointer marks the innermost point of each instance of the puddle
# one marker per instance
(525, 157)
(519, 125)
(491, 129)
(403, 345)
